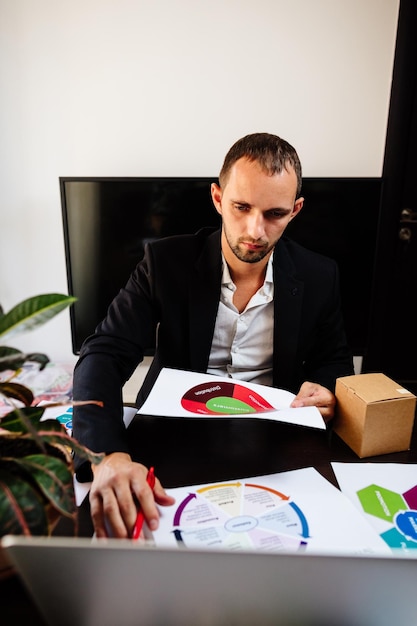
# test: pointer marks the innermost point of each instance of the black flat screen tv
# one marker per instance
(107, 222)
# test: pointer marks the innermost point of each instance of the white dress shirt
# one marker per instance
(242, 346)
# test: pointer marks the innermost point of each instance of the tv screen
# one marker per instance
(107, 222)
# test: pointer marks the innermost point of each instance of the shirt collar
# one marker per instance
(227, 280)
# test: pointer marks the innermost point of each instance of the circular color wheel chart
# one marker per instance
(240, 516)
(223, 398)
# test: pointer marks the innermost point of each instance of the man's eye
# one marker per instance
(275, 214)
(241, 207)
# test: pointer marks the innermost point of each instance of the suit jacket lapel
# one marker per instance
(204, 295)
(288, 298)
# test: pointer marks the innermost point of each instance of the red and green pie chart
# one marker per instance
(224, 398)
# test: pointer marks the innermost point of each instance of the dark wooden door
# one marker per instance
(392, 347)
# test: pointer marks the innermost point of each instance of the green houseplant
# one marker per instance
(36, 470)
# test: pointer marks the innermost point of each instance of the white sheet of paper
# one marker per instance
(179, 393)
(292, 511)
(385, 494)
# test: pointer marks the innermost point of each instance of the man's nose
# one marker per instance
(256, 225)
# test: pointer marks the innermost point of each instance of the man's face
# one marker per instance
(255, 208)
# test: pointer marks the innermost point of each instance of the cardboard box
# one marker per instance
(374, 415)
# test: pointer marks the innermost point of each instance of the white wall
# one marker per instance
(164, 87)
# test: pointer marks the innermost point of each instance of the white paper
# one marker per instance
(385, 494)
(178, 393)
(292, 511)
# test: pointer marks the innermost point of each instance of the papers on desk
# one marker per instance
(51, 384)
(385, 494)
(62, 413)
(295, 511)
(178, 393)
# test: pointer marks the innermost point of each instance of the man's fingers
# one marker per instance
(119, 489)
(146, 497)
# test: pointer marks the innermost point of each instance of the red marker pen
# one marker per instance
(150, 479)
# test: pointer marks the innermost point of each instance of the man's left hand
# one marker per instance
(312, 394)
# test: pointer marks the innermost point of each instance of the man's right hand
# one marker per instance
(118, 485)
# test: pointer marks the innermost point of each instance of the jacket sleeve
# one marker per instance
(310, 339)
(107, 360)
(328, 355)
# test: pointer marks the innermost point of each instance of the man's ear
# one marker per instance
(216, 196)
(298, 205)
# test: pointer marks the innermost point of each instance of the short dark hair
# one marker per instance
(271, 152)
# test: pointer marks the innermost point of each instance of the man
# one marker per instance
(243, 302)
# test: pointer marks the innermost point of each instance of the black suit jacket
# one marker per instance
(173, 296)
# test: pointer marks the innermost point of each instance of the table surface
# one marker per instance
(194, 451)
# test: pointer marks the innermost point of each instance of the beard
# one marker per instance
(249, 256)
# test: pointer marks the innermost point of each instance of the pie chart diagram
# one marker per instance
(240, 516)
(223, 398)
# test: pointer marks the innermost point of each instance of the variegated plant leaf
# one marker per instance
(17, 392)
(16, 421)
(15, 360)
(62, 438)
(32, 312)
(54, 479)
(22, 508)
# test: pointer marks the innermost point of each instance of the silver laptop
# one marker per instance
(80, 582)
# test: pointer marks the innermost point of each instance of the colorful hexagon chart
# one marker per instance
(395, 508)
(66, 419)
(381, 502)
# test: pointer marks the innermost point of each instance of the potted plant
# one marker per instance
(36, 470)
